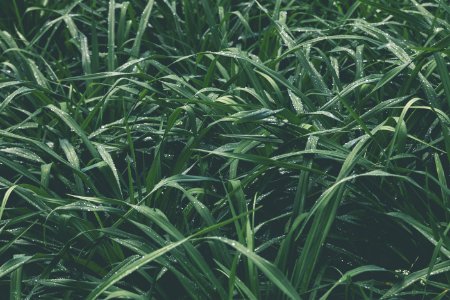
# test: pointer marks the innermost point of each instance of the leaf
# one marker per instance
(349, 275)
(13, 264)
(141, 29)
(109, 161)
(272, 273)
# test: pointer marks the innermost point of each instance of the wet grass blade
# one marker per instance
(143, 22)
(111, 36)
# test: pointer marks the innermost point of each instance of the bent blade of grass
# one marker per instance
(141, 29)
(13, 264)
(124, 295)
(423, 229)
(242, 288)
(20, 91)
(85, 57)
(324, 213)
(73, 159)
(436, 252)
(137, 264)
(388, 76)
(317, 79)
(257, 159)
(21, 233)
(350, 88)
(235, 54)
(109, 160)
(66, 118)
(45, 174)
(19, 169)
(401, 131)
(5, 199)
(271, 271)
(23, 153)
(416, 276)
(348, 276)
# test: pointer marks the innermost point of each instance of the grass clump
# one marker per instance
(224, 149)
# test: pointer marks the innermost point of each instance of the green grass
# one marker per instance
(225, 149)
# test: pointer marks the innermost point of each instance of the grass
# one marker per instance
(225, 149)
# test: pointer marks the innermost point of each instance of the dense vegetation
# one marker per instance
(201, 149)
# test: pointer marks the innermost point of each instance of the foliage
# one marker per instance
(224, 149)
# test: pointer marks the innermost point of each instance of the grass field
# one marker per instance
(199, 149)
